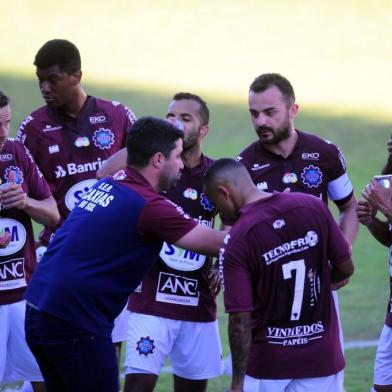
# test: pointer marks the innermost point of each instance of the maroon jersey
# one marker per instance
(315, 166)
(388, 318)
(17, 260)
(275, 265)
(69, 151)
(177, 286)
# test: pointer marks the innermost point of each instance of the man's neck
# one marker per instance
(284, 147)
(74, 107)
(192, 157)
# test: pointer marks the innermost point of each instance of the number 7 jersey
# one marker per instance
(276, 264)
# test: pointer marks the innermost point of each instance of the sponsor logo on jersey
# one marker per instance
(74, 168)
(77, 191)
(177, 290)
(238, 158)
(288, 248)
(290, 178)
(278, 224)
(190, 193)
(257, 166)
(5, 157)
(103, 138)
(53, 149)
(312, 176)
(82, 141)
(145, 346)
(115, 103)
(310, 156)
(181, 259)
(18, 235)
(206, 203)
(301, 334)
(262, 185)
(97, 119)
(139, 288)
(13, 175)
(49, 128)
(12, 274)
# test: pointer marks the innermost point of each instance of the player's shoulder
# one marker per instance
(113, 107)
(248, 152)
(34, 120)
(317, 143)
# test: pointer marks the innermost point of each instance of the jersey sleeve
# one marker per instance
(237, 277)
(338, 247)
(37, 187)
(163, 219)
(340, 188)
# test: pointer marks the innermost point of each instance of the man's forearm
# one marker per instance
(240, 339)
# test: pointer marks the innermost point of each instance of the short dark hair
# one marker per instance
(267, 80)
(4, 100)
(227, 168)
(204, 113)
(59, 52)
(148, 136)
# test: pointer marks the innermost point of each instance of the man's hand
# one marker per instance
(365, 213)
(214, 282)
(379, 197)
(13, 196)
(339, 285)
(5, 239)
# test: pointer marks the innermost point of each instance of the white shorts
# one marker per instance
(17, 363)
(322, 384)
(194, 348)
(383, 361)
(120, 329)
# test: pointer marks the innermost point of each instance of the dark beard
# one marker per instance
(281, 134)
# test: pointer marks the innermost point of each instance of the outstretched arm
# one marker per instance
(348, 221)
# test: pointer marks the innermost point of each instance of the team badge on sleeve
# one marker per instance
(145, 346)
(312, 176)
(103, 138)
(13, 175)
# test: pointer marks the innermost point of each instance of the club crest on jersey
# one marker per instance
(312, 176)
(278, 224)
(145, 346)
(190, 193)
(290, 178)
(206, 203)
(103, 138)
(13, 175)
(120, 175)
(82, 142)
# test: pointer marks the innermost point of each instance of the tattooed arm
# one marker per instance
(240, 339)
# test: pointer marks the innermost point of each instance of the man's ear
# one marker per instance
(204, 129)
(293, 111)
(157, 160)
(77, 77)
(223, 191)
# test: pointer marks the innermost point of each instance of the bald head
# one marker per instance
(227, 172)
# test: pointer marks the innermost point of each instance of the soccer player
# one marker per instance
(24, 195)
(284, 157)
(378, 198)
(72, 134)
(278, 263)
(173, 312)
(100, 255)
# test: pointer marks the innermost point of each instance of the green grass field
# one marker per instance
(335, 53)
(363, 302)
